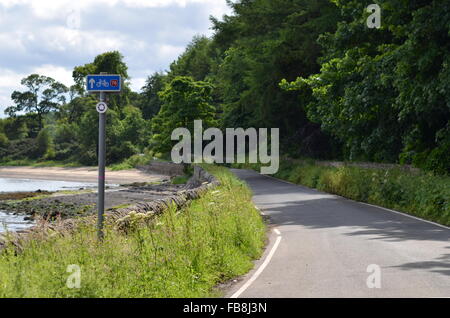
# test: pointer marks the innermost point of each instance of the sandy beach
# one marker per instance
(140, 187)
(83, 174)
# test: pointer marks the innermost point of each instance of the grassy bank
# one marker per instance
(127, 164)
(420, 194)
(132, 162)
(38, 163)
(180, 254)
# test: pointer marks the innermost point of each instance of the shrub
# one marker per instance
(87, 157)
(4, 141)
(133, 162)
(45, 144)
(22, 149)
(439, 160)
(180, 180)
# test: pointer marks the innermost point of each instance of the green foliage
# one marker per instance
(15, 128)
(150, 103)
(179, 254)
(124, 137)
(185, 100)
(180, 180)
(44, 94)
(135, 128)
(22, 149)
(198, 60)
(111, 63)
(383, 93)
(133, 162)
(312, 68)
(4, 141)
(45, 144)
(265, 41)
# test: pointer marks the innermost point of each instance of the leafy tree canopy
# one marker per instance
(184, 100)
(42, 96)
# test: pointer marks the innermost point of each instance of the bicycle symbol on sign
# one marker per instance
(102, 83)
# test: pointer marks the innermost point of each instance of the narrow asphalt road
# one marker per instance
(325, 244)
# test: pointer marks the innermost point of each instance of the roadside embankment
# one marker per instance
(70, 204)
(62, 212)
(146, 184)
(210, 235)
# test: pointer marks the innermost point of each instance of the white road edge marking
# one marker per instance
(260, 269)
(374, 206)
(259, 210)
(277, 231)
(404, 214)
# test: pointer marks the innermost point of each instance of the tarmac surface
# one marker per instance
(323, 245)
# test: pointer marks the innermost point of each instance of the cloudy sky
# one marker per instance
(50, 37)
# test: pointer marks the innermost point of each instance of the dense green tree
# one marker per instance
(184, 100)
(111, 63)
(65, 139)
(124, 138)
(42, 96)
(4, 141)
(383, 92)
(15, 127)
(197, 61)
(74, 110)
(45, 144)
(266, 41)
(312, 68)
(135, 128)
(150, 103)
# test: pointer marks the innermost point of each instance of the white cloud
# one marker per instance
(171, 51)
(61, 74)
(9, 82)
(137, 83)
(51, 37)
(9, 78)
(47, 9)
(65, 40)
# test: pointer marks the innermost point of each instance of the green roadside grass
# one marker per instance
(37, 163)
(419, 194)
(135, 161)
(127, 164)
(183, 253)
(180, 180)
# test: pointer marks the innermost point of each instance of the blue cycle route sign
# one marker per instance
(104, 83)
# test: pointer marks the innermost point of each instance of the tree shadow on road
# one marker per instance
(288, 204)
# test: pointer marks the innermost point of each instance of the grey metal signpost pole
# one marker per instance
(102, 84)
(101, 168)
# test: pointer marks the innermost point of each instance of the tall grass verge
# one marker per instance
(132, 162)
(39, 163)
(420, 194)
(181, 253)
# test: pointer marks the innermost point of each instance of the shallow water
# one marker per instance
(12, 222)
(29, 185)
(17, 222)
